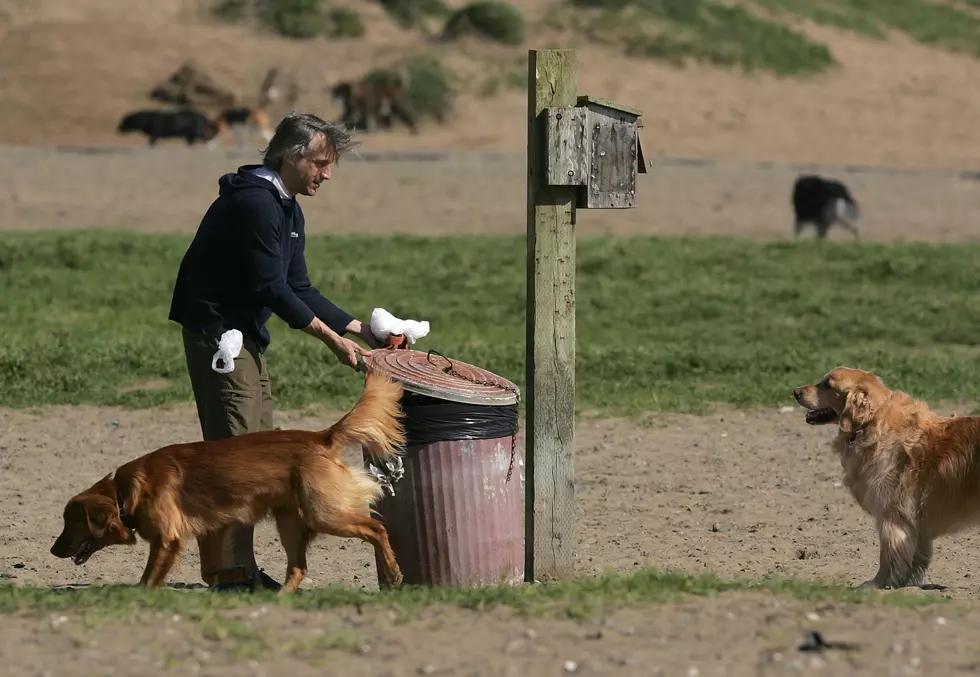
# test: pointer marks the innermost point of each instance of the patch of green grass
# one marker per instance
(431, 88)
(858, 17)
(663, 324)
(231, 10)
(300, 19)
(490, 19)
(739, 35)
(343, 22)
(705, 30)
(411, 13)
(580, 598)
(295, 18)
(933, 23)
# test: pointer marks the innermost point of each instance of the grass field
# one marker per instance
(580, 598)
(663, 324)
(740, 36)
(934, 23)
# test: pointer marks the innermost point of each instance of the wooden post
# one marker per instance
(549, 544)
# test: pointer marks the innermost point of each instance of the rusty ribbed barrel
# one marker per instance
(456, 518)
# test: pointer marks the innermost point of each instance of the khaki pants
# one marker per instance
(227, 405)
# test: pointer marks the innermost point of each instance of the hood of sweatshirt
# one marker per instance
(244, 178)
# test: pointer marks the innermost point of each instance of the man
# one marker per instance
(246, 262)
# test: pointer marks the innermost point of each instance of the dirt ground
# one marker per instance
(465, 192)
(740, 494)
(733, 636)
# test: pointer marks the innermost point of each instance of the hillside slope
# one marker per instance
(71, 68)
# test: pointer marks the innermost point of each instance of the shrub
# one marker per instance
(409, 13)
(291, 18)
(344, 23)
(490, 19)
(381, 76)
(231, 10)
(706, 30)
(296, 18)
(430, 88)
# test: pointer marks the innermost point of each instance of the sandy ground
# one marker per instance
(732, 636)
(743, 495)
(459, 192)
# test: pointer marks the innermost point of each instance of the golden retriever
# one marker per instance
(916, 472)
(194, 488)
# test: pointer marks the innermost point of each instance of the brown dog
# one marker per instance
(297, 475)
(916, 472)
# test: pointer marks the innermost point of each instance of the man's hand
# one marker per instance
(364, 331)
(345, 349)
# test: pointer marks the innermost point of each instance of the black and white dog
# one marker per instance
(823, 202)
(190, 125)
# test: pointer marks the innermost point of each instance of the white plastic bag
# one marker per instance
(384, 324)
(228, 348)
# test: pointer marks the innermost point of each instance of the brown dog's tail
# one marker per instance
(374, 421)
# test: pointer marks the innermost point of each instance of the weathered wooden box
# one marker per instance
(595, 145)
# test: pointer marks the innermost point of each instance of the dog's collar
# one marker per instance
(128, 520)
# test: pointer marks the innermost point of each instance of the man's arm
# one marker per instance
(259, 227)
(262, 257)
(335, 318)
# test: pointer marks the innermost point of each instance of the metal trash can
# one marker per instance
(456, 518)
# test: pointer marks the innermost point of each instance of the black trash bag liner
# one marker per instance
(429, 419)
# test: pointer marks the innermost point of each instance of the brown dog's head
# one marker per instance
(848, 397)
(92, 522)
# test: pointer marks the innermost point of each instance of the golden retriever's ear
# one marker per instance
(98, 521)
(857, 412)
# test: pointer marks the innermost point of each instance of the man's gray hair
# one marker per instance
(297, 135)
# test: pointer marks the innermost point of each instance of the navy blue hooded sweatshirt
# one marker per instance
(246, 262)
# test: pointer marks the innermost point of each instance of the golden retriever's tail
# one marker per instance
(374, 421)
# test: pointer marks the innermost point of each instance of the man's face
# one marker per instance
(302, 176)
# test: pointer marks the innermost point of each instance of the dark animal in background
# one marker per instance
(163, 124)
(823, 202)
(246, 116)
(368, 105)
(257, 116)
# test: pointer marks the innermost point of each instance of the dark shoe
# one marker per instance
(232, 580)
(238, 580)
(267, 582)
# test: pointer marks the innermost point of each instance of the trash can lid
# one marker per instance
(434, 375)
